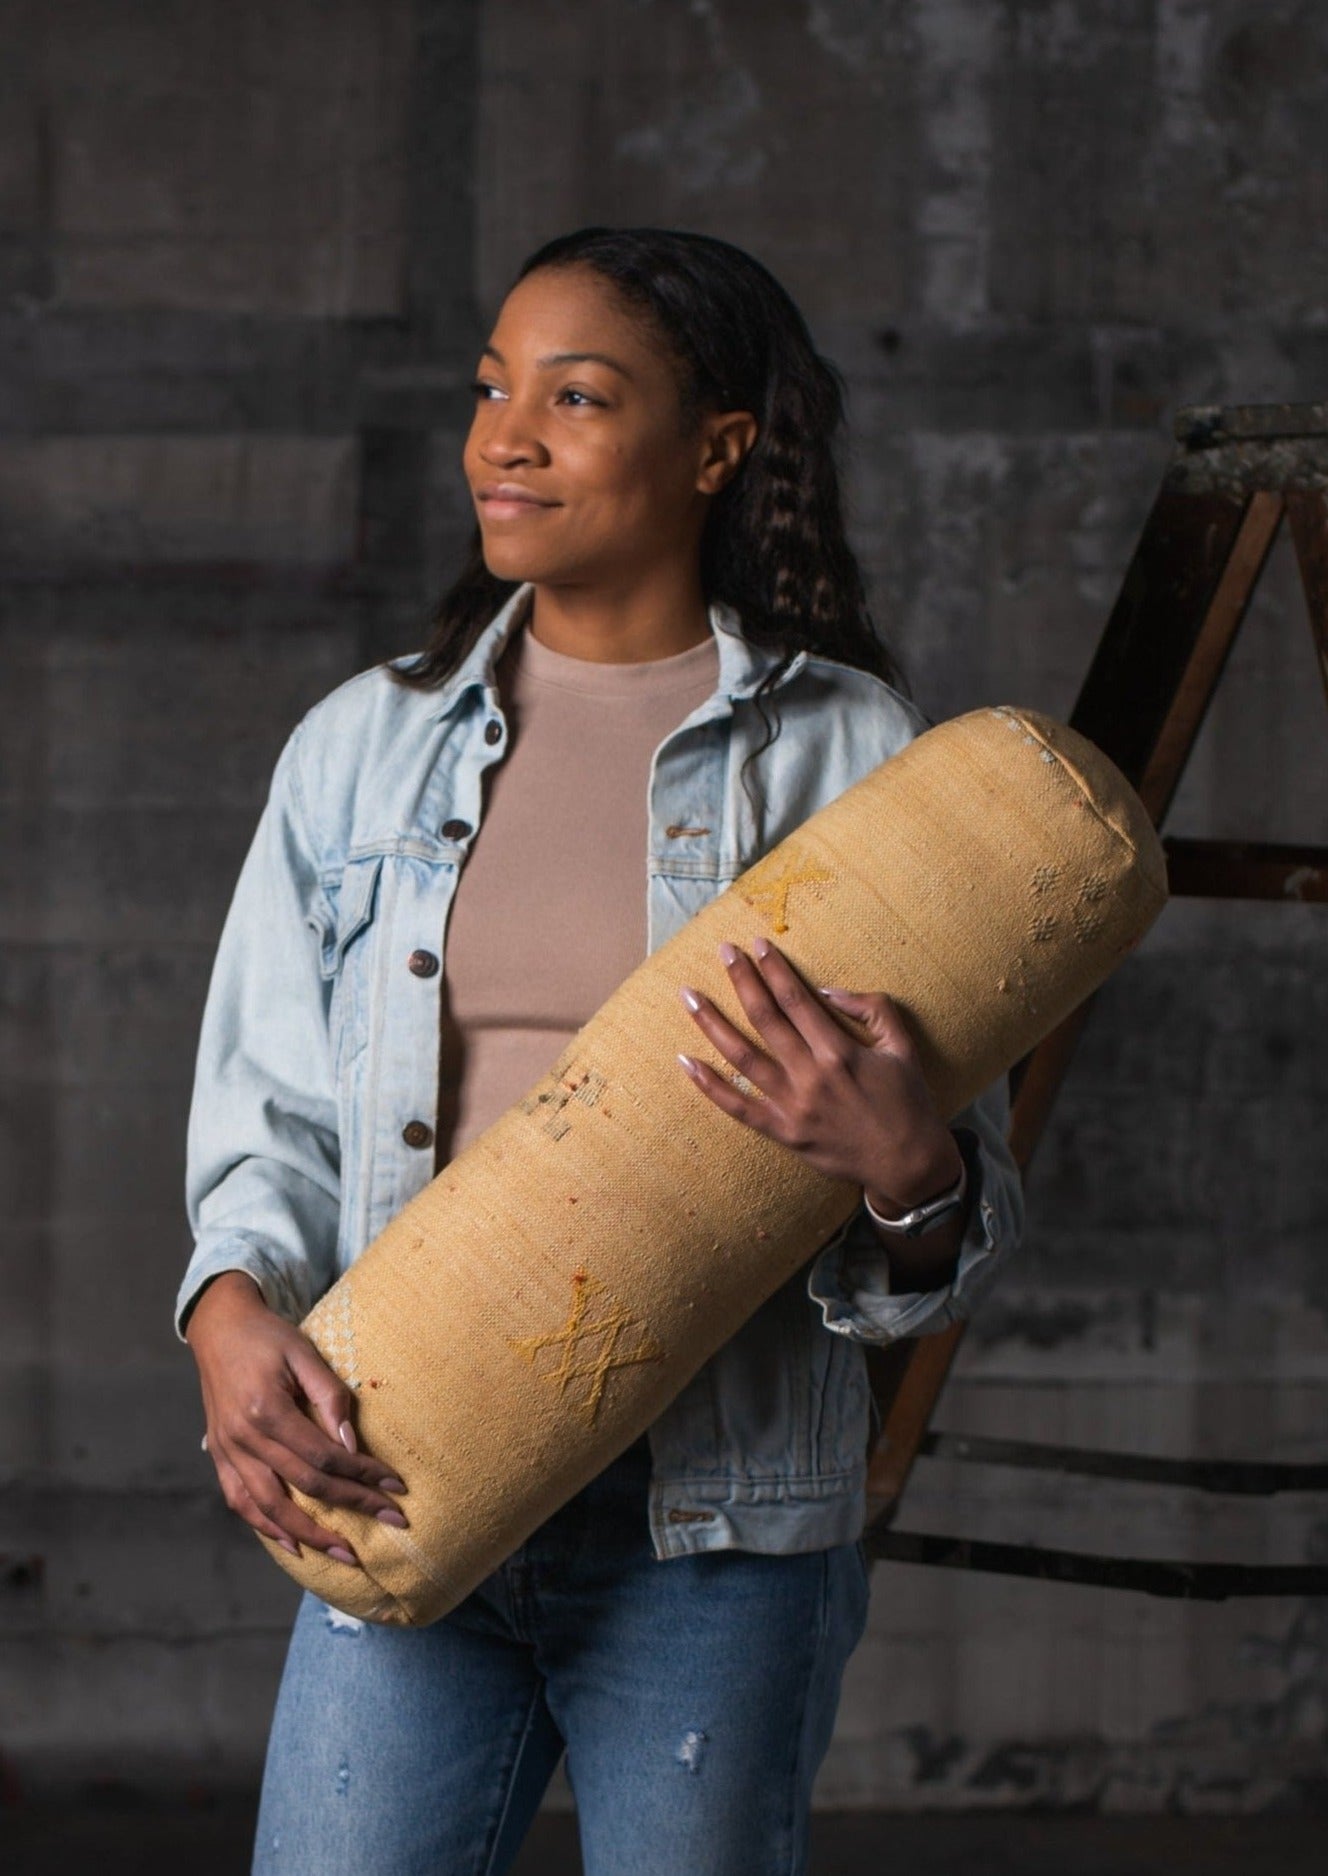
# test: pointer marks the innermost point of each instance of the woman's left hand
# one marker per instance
(857, 1110)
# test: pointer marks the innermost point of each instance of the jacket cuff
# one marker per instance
(282, 1289)
(850, 1277)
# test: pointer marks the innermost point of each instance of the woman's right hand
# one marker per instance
(256, 1368)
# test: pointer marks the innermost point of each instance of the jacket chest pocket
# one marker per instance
(345, 921)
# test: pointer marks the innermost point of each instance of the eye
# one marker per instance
(480, 389)
(584, 397)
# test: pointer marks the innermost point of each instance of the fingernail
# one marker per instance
(346, 1432)
(762, 947)
(690, 997)
(826, 991)
(288, 1544)
(390, 1515)
(342, 1555)
(390, 1485)
(687, 1062)
(728, 953)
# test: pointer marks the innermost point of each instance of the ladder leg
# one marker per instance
(1164, 599)
(906, 1416)
(1167, 640)
(1217, 632)
(1307, 511)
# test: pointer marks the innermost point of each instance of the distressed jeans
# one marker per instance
(695, 1698)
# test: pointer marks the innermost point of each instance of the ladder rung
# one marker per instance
(1199, 1582)
(1240, 1477)
(1245, 869)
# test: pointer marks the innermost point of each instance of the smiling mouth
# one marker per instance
(502, 503)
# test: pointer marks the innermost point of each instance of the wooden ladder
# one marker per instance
(1232, 477)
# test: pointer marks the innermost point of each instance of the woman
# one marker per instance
(660, 609)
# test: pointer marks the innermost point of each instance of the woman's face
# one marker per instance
(580, 464)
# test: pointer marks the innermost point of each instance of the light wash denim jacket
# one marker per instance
(318, 1045)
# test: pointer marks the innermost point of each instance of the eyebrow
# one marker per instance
(565, 358)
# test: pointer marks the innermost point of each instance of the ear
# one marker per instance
(727, 437)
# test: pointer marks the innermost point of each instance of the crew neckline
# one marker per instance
(680, 671)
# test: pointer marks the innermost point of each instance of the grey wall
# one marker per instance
(245, 253)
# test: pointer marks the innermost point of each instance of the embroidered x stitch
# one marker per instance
(769, 890)
(577, 1338)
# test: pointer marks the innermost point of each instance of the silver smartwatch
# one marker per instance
(924, 1217)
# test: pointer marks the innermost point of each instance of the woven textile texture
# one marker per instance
(536, 1306)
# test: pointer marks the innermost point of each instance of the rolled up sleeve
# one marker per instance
(263, 1177)
(850, 1276)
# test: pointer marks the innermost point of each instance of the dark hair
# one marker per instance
(773, 545)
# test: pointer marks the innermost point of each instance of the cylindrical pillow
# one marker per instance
(546, 1296)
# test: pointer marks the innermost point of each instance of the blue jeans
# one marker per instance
(695, 1698)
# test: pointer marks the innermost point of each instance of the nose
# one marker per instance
(507, 435)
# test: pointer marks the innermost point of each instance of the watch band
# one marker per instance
(913, 1223)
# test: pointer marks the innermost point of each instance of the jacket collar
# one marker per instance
(742, 665)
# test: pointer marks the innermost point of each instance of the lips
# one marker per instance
(509, 498)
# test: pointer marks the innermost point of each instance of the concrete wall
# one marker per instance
(245, 253)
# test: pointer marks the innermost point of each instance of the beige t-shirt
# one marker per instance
(549, 914)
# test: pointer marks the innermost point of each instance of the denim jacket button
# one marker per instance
(493, 730)
(415, 1133)
(422, 963)
(455, 830)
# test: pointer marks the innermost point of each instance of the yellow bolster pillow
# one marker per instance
(546, 1296)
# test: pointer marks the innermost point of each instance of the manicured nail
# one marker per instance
(826, 991)
(690, 997)
(342, 1555)
(763, 947)
(687, 1063)
(389, 1515)
(290, 1545)
(346, 1433)
(729, 953)
(391, 1485)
